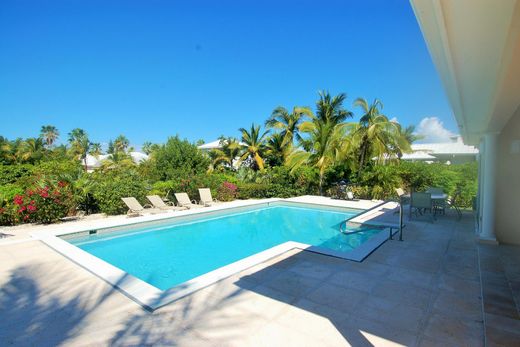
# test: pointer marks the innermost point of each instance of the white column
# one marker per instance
(487, 233)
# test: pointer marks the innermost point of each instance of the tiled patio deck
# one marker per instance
(424, 291)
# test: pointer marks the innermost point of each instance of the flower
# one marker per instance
(18, 199)
(61, 184)
(44, 194)
(31, 208)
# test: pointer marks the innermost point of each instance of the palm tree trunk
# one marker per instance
(85, 163)
(321, 183)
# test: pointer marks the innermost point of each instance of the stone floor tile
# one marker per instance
(456, 331)
(337, 297)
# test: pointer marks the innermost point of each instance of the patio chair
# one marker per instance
(159, 203)
(420, 203)
(435, 190)
(403, 199)
(452, 203)
(205, 197)
(135, 208)
(183, 200)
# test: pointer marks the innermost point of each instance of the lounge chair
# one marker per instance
(421, 202)
(183, 200)
(205, 197)
(159, 203)
(135, 208)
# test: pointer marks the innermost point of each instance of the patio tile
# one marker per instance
(458, 305)
(500, 337)
(311, 269)
(292, 283)
(354, 280)
(459, 285)
(275, 334)
(337, 297)
(413, 277)
(454, 331)
(319, 322)
(402, 293)
(378, 334)
(391, 313)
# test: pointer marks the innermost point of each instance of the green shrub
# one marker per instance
(14, 173)
(177, 158)
(113, 185)
(253, 191)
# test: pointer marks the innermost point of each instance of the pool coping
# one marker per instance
(151, 297)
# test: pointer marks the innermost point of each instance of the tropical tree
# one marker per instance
(230, 149)
(32, 149)
(79, 145)
(277, 149)
(324, 144)
(121, 144)
(50, 134)
(95, 149)
(403, 139)
(149, 148)
(6, 155)
(288, 123)
(253, 147)
(375, 135)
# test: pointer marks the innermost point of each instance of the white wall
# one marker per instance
(507, 223)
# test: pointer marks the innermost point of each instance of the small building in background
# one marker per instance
(454, 152)
(94, 162)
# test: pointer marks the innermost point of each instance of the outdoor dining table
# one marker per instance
(435, 197)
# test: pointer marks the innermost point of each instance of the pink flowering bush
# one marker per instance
(227, 192)
(46, 202)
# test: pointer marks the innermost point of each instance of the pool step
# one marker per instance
(386, 214)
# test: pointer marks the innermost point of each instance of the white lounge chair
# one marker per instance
(135, 208)
(183, 200)
(159, 203)
(205, 197)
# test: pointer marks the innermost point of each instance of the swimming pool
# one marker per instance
(166, 255)
(159, 258)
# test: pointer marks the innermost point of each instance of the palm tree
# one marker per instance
(95, 149)
(230, 149)
(288, 122)
(30, 150)
(121, 144)
(325, 143)
(277, 150)
(50, 134)
(5, 150)
(254, 146)
(375, 135)
(79, 145)
(404, 139)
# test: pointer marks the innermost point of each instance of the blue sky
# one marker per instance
(151, 69)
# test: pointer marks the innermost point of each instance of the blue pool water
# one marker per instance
(167, 255)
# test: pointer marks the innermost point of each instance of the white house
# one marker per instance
(453, 152)
(475, 46)
(95, 162)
